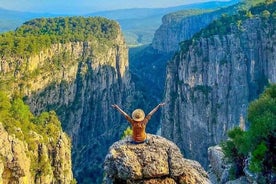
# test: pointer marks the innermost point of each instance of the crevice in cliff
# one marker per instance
(117, 58)
(169, 160)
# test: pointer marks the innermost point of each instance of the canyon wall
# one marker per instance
(33, 158)
(211, 81)
(80, 80)
(179, 26)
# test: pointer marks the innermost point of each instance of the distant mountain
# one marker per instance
(10, 20)
(150, 12)
(138, 25)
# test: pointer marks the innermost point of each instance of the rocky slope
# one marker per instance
(79, 80)
(211, 81)
(156, 161)
(46, 163)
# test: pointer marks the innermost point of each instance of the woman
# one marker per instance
(138, 122)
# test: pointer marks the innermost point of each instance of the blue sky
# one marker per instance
(88, 6)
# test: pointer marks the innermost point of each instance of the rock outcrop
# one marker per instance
(219, 169)
(211, 81)
(156, 161)
(45, 164)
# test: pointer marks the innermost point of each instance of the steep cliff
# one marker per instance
(211, 81)
(33, 149)
(79, 77)
(45, 164)
(179, 26)
(219, 170)
(155, 161)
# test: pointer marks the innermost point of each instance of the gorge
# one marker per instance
(79, 67)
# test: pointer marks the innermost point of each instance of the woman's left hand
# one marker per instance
(162, 104)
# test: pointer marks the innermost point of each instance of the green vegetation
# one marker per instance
(258, 142)
(224, 25)
(233, 150)
(18, 120)
(180, 15)
(205, 89)
(127, 132)
(262, 133)
(250, 3)
(38, 34)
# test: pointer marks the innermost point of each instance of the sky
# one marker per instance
(88, 6)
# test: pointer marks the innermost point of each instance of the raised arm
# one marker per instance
(121, 111)
(155, 109)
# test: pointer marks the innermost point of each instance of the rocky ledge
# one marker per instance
(156, 161)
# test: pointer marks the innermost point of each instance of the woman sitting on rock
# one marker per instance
(138, 122)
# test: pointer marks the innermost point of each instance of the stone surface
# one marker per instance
(219, 169)
(155, 161)
(218, 165)
(241, 180)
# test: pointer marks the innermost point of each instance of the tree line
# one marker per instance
(37, 34)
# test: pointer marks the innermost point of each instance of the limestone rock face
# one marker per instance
(155, 161)
(210, 84)
(79, 80)
(219, 169)
(47, 164)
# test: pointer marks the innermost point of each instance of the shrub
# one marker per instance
(233, 151)
(258, 142)
(127, 132)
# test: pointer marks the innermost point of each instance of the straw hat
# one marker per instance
(138, 115)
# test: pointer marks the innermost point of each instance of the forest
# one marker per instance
(38, 34)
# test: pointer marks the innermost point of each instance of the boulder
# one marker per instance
(157, 160)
